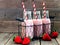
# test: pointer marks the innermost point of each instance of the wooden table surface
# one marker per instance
(7, 39)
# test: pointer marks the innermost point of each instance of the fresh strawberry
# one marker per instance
(54, 34)
(18, 39)
(46, 37)
(26, 41)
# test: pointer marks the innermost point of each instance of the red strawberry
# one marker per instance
(54, 34)
(26, 41)
(18, 39)
(46, 37)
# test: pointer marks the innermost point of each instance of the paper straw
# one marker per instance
(25, 17)
(34, 6)
(24, 9)
(44, 9)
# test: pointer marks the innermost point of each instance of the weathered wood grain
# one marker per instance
(52, 42)
(58, 39)
(57, 25)
(35, 42)
(10, 42)
(17, 3)
(4, 37)
(8, 26)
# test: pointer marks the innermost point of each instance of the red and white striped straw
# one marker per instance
(24, 9)
(25, 16)
(23, 6)
(34, 6)
(44, 9)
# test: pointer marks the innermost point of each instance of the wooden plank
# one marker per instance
(52, 42)
(10, 42)
(36, 42)
(4, 38)
(2, 35)
(8, 26)
(58, 39)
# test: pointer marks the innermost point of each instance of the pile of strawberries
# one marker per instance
(48, 37)
(26, 40)
(19, 40)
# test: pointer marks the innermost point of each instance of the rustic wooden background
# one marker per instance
(11, 9)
